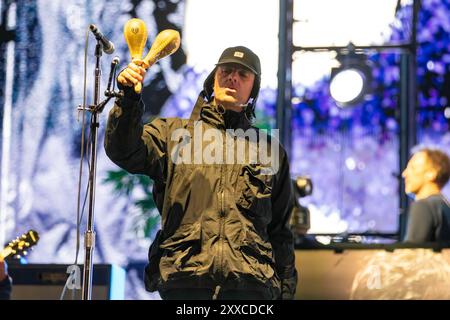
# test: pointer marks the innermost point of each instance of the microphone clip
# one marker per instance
(114, 94)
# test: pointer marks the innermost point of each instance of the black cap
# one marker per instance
(243, 56)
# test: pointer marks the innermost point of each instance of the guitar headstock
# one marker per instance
(21, 245)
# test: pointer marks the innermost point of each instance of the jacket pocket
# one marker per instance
(253, 191)
(258, 254)
(179, 249)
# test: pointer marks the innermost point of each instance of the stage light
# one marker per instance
(447, 112)
(350, 82)
(303, 186)
(300, 218)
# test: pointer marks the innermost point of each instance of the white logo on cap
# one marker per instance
(238, 54)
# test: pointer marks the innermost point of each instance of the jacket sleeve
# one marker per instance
(137, 148)
(279, 230)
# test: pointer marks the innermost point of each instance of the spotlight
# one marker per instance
(447, 112)
(300, 218)
(303, 186)
(350, 81)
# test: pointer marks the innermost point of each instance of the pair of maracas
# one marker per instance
(166, 43)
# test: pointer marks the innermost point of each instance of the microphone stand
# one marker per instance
(95, 109)
(89, 235)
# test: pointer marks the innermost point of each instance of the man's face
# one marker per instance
(233, 84)
(418, 173)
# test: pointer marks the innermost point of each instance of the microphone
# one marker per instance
(107, 45)
(114, 64)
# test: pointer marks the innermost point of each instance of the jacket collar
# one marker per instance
(219, 117)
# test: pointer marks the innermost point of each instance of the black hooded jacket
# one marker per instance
(223, 225)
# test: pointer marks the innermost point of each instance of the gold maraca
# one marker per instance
(135, 33)
(166, 43)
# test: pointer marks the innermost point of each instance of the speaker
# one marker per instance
(47, 281)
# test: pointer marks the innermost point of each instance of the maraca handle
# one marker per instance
(138, 86)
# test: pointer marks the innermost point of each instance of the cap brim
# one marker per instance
(225, 61)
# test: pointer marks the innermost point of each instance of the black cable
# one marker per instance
(83, 127)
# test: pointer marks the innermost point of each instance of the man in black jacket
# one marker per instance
(225, 221)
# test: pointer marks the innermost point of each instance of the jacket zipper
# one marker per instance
(222, 218)
(221, 232)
